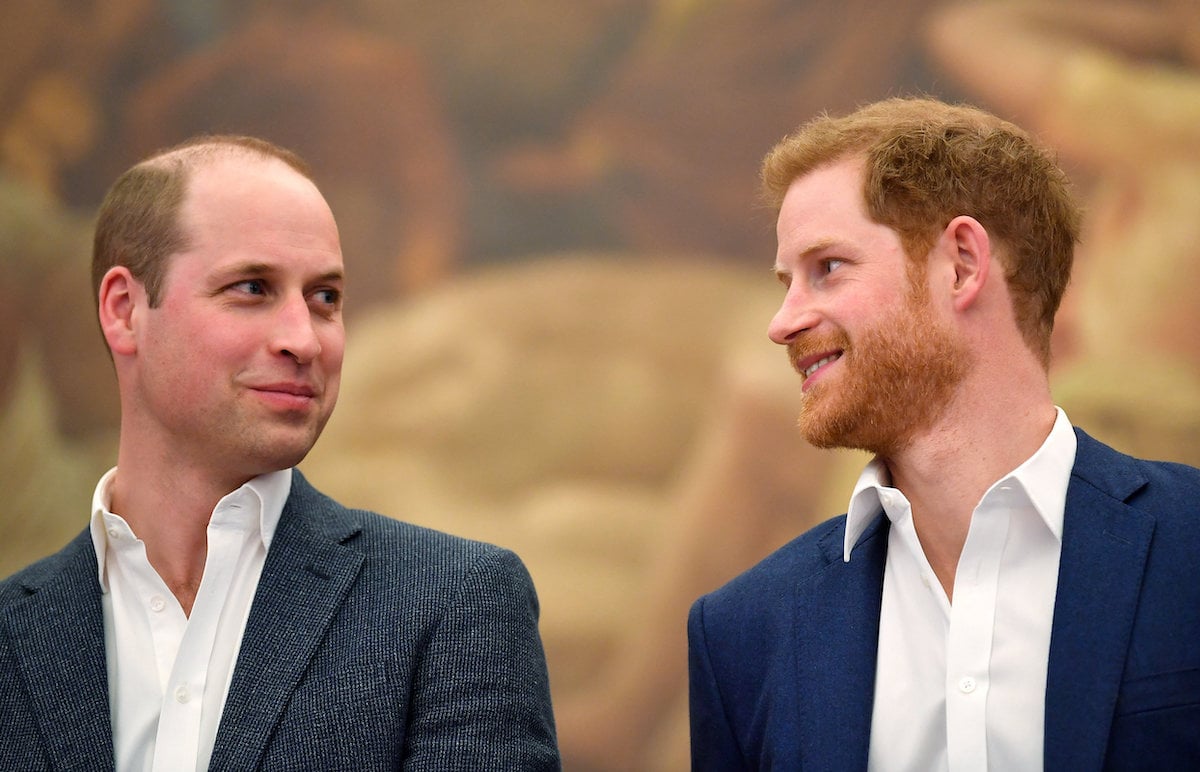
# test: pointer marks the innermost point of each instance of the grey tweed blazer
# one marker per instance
(371, 644)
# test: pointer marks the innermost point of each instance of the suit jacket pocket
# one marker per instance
(1155, 725)
(1161, 691)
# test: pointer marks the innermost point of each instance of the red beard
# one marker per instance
(897, 379)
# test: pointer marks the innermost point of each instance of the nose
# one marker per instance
(295, 334)
(794, 316)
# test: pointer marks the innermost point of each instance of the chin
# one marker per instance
(851, 429)
(821, 435)
(281, 453)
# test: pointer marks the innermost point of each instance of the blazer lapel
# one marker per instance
(57, 636)
(1105, 545)
(838, 642)
(306, 577)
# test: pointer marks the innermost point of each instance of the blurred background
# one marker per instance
(559, 276)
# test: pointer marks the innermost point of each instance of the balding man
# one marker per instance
(221, 613)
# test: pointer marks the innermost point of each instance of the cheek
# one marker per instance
(215, 353)
(333, 350)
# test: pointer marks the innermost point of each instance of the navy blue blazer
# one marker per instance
(782, 659)
(371, 644)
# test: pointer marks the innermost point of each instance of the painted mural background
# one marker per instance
(559, 275)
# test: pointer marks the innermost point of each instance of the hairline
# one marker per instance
(179, 164)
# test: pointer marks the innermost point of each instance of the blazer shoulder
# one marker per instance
(1159, 486)
(391, 545)
(780, 572)
(77, 555)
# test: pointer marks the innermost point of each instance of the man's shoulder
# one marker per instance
(1136, 480)
(1171, 483)
(794, 563)
(399, 576)
(73, 557)
(381, 534)
(757, 611)
(388, 541)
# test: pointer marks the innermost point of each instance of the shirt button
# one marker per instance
(182, 694)
(925, 581)
(113, 533)
(157, 603)
(966, 684)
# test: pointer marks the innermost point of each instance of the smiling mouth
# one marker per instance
(289, 402)
(808, 371)
(287, 389)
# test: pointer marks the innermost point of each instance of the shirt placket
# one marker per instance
(969, 643)
(177, 743)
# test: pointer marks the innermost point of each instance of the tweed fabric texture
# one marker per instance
(371, 644)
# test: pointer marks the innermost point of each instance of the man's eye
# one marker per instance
(329, 297)
(251, 287)
(829, 266)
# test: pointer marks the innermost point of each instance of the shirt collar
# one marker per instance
(864, 503)
(1043, 477)
(266, 494)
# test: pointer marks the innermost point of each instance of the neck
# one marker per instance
(990, 429)
(168, 504)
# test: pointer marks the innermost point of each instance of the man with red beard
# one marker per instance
(1004, 592)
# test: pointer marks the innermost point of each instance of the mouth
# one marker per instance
(286, 396)
(293, 389)
(811, 365)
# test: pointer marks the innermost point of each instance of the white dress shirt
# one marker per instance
(962, 687)
(169, 674)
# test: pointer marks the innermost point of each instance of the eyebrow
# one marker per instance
(256, 269)
(333, 276)
(266, 269)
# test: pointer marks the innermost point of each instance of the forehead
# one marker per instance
(822, 204)
(832, 191)
(240, 203)
(824, 213)
(229, 184)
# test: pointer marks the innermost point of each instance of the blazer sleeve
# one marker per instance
(481, 691)
(713, 742)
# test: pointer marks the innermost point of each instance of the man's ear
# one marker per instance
(968, 247)
(120, 295)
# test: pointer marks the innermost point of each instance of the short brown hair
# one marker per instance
(927, 162)
(138, 223)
